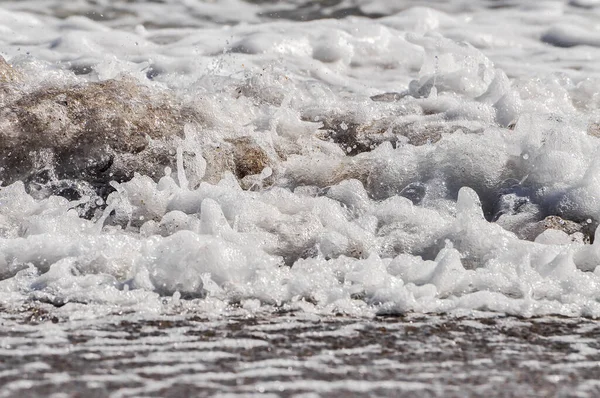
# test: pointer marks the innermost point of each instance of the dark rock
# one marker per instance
(511, 203)
(388, 97)
(555, 222)
(355, 138)
(415, 192)
(573, 231)
(578, 232)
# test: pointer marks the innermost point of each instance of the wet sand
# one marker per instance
(297, 354)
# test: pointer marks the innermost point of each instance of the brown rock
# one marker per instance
(117, 113)
(84, 128)
(555, 222)
(576, 231)
(7, 73)
(594, 130)
(219, 158)
(249, 157)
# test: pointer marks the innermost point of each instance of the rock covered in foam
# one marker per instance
(570, 230)
(98, 132)
(249, 157)
(7, 73)
(83, 128)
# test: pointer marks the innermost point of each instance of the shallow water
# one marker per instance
(298, 355)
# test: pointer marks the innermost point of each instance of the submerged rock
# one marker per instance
(577, 232)
(554, 229)
(355, 137)
(555, 222)
(389, 97)
(516, 212)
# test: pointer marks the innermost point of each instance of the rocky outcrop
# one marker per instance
(73, 140)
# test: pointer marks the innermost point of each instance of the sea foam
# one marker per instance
(361, 165)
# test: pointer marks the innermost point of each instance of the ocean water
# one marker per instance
(280, 178)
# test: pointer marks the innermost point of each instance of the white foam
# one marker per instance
(393, 229)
